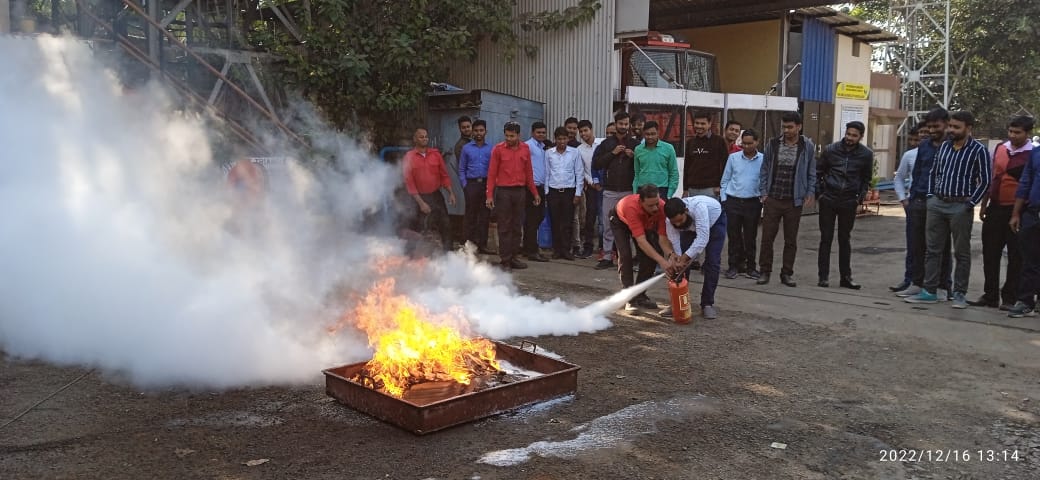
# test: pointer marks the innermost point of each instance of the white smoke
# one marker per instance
(122, 249)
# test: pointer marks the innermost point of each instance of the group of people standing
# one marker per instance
(951, 173)
(651, 218)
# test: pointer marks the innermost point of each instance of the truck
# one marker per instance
(667, 80)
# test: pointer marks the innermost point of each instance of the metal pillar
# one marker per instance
(154, 38)
(5, 16)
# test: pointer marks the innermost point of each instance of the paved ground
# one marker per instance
(845, 380)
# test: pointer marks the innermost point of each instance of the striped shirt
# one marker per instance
(966, 172)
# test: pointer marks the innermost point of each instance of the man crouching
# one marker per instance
(640, 216)
(697, 225)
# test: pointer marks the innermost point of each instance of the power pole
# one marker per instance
(928, 71)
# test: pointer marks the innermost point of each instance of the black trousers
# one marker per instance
(1029, 241)
(995, 236)
(561, 211)
(592, 205)
(509, 212)
(844, 212)
(743, 215)
(533, 216)
(919, 246)
(623, 241)
(477, 214)
(437, 218)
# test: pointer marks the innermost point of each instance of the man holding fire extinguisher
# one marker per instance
(639, 217)
(697, 224)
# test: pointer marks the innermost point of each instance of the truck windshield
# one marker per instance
(644, 74)
(700, 72)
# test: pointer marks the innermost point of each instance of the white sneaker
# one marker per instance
(943, 295)
(909, 292)
(629, 307)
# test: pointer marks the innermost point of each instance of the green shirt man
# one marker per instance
(655, 162)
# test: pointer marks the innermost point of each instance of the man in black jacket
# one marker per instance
(614, 156)
(843, 173)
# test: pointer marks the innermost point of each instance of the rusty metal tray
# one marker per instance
(558, 379)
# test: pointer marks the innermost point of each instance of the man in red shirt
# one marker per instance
(733, 136)
(640, 216)
(509, 174)
(425, 177)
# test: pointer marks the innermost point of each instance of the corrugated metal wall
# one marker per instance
(819, 47)
(571, 73)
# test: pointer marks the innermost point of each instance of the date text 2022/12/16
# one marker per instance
(952, 455)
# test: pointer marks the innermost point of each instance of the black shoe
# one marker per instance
(586, 253)
(484, 251)
(732, 273)
(763, 279)
(823, 283)
(567, 256)
(517, 264)
(753, 274)
(645, 303)
(537, 258)
(604, 264)
(848, 283)
(786, 280)
(984, 302)
(900, 287)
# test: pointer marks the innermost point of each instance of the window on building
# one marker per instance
(855, 47)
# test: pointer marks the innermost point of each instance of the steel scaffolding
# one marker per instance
(928, 70)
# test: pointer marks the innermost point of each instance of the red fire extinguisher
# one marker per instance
(679, 289)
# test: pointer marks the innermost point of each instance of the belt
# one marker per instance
(953, 199)
(478, 179)
(511, 186)
(562, 190)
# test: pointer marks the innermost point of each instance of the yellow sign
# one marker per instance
(854, 91)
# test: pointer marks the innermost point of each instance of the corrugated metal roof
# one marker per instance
(678, 14)
(848, 25)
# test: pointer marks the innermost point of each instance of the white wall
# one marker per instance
(571, 73)
(851, 69)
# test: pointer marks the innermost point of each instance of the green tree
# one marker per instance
(997, 43)
(367, 64)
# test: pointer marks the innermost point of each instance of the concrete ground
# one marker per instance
(799, 382)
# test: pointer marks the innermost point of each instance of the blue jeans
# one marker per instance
(712, 257)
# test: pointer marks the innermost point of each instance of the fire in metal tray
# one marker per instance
(421, 391)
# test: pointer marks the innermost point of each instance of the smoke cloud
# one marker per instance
(125, 250)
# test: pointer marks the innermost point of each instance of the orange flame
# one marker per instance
(414, 346)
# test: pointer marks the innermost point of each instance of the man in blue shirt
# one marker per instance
(902, 178)
(1025, 221)
(473, 167)
(740, 198)
(565, 175)
(935, 126)
(535, 213)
